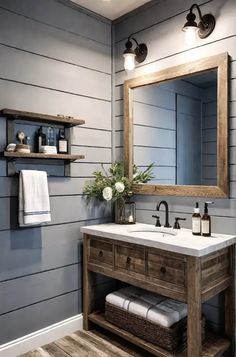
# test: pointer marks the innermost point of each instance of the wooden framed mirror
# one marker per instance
(177, 118)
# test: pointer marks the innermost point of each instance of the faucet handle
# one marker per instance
(158, 224)
(177, 219)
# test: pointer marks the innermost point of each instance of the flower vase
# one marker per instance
(124, 212)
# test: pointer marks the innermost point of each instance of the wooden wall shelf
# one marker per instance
(44, 118)
(33, 155)
(67, 122)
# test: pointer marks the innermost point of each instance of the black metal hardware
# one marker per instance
(158, 223)
(167, 224)
(163, 270)
(176, 224)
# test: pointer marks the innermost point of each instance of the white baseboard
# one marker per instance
(41, 337)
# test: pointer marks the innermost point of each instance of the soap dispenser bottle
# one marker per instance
(196, 221)
(206, 221)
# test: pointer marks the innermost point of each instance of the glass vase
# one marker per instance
(124, 212)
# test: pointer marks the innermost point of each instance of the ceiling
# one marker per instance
(111, 9)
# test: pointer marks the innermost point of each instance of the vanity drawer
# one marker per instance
(131, 259)
(166, 268)
(100, 252)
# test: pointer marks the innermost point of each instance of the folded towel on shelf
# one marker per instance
(124, 296)
(167, 313)
(34, 205)
(153, 307)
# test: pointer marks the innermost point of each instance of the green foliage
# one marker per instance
(116, 175)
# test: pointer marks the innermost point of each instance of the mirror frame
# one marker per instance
(218, 62)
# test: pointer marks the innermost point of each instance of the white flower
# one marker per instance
(107, 193)
(119, 186)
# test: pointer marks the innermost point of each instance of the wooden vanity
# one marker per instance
(205, 269)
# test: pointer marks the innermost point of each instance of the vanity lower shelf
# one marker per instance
(212, 347)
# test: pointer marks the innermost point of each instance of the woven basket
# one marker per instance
(171, 338)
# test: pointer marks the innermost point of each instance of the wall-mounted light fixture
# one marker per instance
(204, 28)
(131, 55)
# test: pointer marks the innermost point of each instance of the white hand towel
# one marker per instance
(152, 298)
(167, 312)
(140, 307)
(123, 297)
(34, 205)
(153, 307)
(118, 298)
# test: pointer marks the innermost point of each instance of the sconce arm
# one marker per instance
(132, 38)
(196, 6)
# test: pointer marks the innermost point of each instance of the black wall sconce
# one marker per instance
(204, 28)
(130, 55)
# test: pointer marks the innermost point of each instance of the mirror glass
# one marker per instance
(175, 127)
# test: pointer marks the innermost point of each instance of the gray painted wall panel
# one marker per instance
(48, 41)
(96, 112)
(58, 15)
(86, 169)
(18, 293)
(88, 137)
(32, 250)
(34, 317)
(45, 72)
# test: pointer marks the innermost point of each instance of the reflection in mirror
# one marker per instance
(175, 127)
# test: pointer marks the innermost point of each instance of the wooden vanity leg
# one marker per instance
(194, 307)
(88, 291)
(230, 322)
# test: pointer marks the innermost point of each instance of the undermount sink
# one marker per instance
(154, 232)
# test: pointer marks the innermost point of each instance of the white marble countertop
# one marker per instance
(174, 240)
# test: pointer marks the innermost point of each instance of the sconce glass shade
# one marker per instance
(190, 34)
(129, 61)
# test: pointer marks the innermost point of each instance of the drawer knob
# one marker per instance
(163, 270)
(100, 254)
(128, 260)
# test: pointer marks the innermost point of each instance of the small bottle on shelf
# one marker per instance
(196, 221)
(40, 139)
(206, 221)
(62, 142)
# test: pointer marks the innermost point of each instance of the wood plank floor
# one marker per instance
(93, 343)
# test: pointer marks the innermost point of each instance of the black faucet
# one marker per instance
(167, 224)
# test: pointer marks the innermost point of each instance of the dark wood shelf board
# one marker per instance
(18, 155)
(212, 347)
(44, 118)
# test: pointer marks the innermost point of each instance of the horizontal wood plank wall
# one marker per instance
(159, 26)
(54, 60)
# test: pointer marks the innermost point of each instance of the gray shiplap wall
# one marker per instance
(159, 26)
(53, 59)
